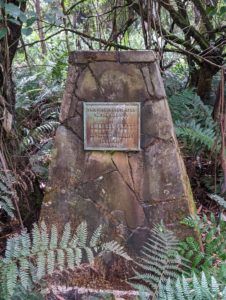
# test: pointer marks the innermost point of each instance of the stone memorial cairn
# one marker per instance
(116, 160)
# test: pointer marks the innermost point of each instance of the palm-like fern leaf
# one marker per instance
(28, 259)
(159, 261)
(198, 289)
(193, 121)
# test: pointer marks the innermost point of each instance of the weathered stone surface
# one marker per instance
(137, 56)
(70, 170)
(75, 124)
(105, 81)
(84, 57)
(98, 164)
(154, 83)
(87, 88)
(78, 293)
(162, 173)
(67, 97)
(152, 129)
(136, 165)
(126, 192)
(121, 163)
(116, 191)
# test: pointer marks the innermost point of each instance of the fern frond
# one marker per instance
(193, 121)
(70, 258)
(24, 273)
(7, 193)
(39, 134)
(51, 262)
(194, 134)
(214, 286)
(44, 237)
(160, 262)
(28, 259)
(66, 236)
(45, 129)
(53, 237)
(220, 200)
(78, 256)
(36, 239)
(186, 289)
(116, 248)
(96, 236)
(60, 259)
(82, 234)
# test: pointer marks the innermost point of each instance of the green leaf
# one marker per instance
(23, 17)
(223, 268)
(222, 10)
(211, 11)
(27, 31)
(12, 10)
(3, 32)
(30, 21)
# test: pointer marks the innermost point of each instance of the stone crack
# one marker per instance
(130, 188)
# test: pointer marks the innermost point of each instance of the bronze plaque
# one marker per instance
(112, 126)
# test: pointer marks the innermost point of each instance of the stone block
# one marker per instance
(143, 56)
(138, 56)
(105, 81)
(152, 130)
(153, 80)
(68, 93)
(84, 57)
(162, 176)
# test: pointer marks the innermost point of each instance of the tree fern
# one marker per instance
(7, 193)
(28, 259)
(159, 262)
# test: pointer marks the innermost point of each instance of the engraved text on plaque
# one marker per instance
(112, 126)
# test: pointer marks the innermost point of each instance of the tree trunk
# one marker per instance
(8, 48)
(39, 24)
(204, 82)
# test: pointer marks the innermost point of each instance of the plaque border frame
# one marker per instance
(86, 147)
